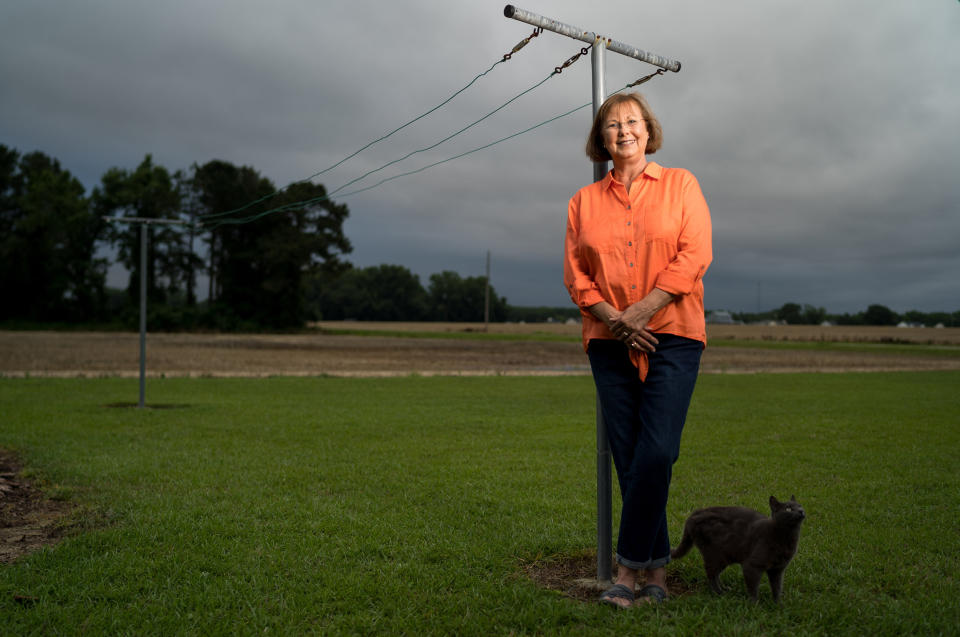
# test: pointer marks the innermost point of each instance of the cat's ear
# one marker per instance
(774, 503)
(793, 498)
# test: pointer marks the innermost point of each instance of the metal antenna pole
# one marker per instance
(600, 46)
(144, 222)
(597, 60)
(604, 471)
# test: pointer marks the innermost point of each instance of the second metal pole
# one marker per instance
(604, 479)
(143, 311)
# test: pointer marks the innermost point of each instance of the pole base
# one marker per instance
(591, 583)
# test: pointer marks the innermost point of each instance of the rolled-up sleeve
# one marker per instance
(694, 244)
(577, 271)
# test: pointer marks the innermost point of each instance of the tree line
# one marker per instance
(795, 314)
(279, 272)
(284, 269)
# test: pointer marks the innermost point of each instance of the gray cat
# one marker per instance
(738, 535)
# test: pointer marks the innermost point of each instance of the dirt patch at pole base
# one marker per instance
(28, 520)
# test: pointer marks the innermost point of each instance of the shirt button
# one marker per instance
(633, 287)
(629, 243)
(628, 223)
(631, 265)
(628, 208)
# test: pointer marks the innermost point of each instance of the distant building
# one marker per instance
(720, 317)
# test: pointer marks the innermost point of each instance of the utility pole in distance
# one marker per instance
(486, 297)
(600, 46)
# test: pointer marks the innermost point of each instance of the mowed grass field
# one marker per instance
(419, 505)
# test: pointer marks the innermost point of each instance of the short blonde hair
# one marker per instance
(595, 148)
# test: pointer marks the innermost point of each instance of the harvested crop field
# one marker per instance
(388, 349)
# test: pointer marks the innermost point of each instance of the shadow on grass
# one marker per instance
(146, 406)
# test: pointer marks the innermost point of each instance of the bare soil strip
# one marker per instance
(93, 354)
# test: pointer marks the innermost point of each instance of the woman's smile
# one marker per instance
(625, 132)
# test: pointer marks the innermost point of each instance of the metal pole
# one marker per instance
(604, 502)
(583, 35)
(144, 223)
(604, 480)
(143, 312)
(597, 60)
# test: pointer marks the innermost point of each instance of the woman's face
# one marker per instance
(624, 132)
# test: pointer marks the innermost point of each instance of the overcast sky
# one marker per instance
(825, 134)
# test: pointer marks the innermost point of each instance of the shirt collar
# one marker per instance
(653, 171)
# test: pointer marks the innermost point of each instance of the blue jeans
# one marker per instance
(644, 422)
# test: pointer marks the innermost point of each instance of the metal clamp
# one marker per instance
(524, 42)
(646, 78)
(572, 59)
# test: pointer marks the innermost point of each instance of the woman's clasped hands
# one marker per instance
(630, 327)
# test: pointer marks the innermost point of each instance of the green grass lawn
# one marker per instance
(407, 505)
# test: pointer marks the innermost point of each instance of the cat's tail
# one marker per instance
(686, 543)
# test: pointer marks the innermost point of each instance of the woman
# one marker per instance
(637, 246)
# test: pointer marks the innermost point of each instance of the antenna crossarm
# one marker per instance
(590, 37)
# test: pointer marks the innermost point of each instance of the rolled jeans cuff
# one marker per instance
(643, 566)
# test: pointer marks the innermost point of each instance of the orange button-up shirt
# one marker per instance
(620, 247)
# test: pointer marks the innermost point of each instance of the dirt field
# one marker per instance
(75, 354)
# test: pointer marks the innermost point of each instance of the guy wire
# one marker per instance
(307, 202)
(556, 71)
(506, 57)
(445, 139)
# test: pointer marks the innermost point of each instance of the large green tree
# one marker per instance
(263, 244)
(378, 293)
(880, 315)
(48, 242)
(790, 313)
(149, 192)
(793, 314)
(453, 298)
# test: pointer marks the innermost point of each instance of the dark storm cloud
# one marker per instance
(824, 135)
